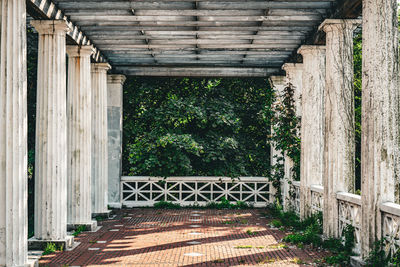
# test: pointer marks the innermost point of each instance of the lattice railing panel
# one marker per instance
(317, 198)
(391, 227)
(145, 191)
(350, 214)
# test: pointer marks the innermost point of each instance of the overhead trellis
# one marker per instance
(194, 38)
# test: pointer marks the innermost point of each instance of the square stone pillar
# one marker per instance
(115, 85)
(312, 124)
(339, 118)
(380, 116)
(99, 140)
(278, 83)
(294, 76)
(51, 137)
(13, 134)
(79, 111)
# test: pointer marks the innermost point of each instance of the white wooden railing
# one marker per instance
(350, 214)
(144, 191)
(317, 198)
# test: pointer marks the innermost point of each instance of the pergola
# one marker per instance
(79, 108)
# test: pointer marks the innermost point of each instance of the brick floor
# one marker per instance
(150, 237)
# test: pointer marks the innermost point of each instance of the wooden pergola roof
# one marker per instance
(195, 38)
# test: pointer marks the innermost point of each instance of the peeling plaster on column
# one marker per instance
(114, 110)
(278, 83)
(312, 124)
(294, 76)
(339, 118)
(99, 138)
(380, 115)
(79, 135)
(13, 134)
(51, 132)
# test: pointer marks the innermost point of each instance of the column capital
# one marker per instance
(100, 67)
(50, 26)
(79, 51)
(330, 25)
(116, 78)
(289, 67)
(311, 49)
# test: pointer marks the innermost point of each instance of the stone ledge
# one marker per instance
(36, 244)
(105, 214)
(91, 227)
(115, 205)
(33, 258)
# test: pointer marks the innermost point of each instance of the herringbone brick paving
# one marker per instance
(187, 237)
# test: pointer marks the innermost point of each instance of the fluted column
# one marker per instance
(294, 76)
(99, 139)
(79, 110)
(115, 85)
(380, 116)
(278, 83)
(312, 124)
(51, 132)
(13, 134)
(339, 118)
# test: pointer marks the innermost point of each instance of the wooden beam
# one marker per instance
(197, 71)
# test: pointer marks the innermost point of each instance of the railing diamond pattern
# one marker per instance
(141, 191)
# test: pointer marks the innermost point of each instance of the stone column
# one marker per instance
(114, 111)
(312, 124)
(51, 137)
(278, 83)
(380, 115)
(99, 140)
(13, 134)
(339, 118)
(294, 76)
(79, 110)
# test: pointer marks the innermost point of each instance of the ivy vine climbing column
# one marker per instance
(339, 118)
(312, 124)
(294, 80)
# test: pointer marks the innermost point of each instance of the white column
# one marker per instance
(312, 124)
(79, 110)
(278, 83)
(99, 139)
(380, 115)
(51, 132)
(294, 76)
(115, 85)
(13, 134)
(339, 118)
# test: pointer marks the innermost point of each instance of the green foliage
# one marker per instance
(186, 127)
(51, 248)
(80, 229)
(357, 55)
(276, 223)
(223, 204)
(342, 248)
(286, 127)
(378, 257)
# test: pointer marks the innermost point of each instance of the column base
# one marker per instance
(356, 261)
(36, 244)
(90, 227)
(105, 214)
(115, 205)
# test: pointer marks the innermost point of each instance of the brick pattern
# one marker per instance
(187, 237)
